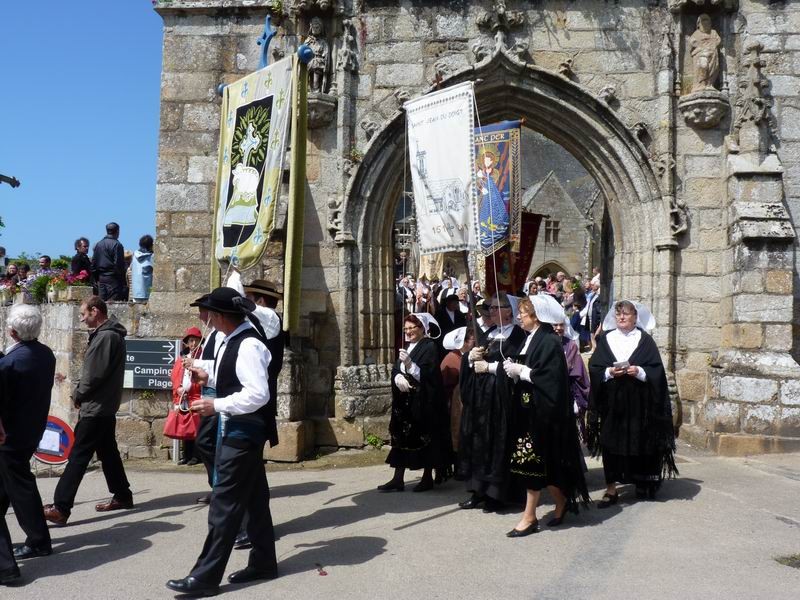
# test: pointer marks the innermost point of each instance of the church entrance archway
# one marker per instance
(638, 216)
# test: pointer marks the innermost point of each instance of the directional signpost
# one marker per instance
(148, 363)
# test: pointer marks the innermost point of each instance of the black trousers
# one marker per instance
(7, 561)
(241, 487)
(111, 289)
(206, 444)
(18, 489)
(93, 435)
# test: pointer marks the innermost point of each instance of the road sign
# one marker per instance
(56, 442)
(148, 363)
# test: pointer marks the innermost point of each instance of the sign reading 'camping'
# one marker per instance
(148, 363)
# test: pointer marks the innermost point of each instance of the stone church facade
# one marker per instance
(565, 235)
(693, 140)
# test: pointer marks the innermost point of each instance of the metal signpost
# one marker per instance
(148, 363)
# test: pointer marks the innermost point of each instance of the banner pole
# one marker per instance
(472, 301)
(293, 266)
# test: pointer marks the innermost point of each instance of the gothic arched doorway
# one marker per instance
(566, 114)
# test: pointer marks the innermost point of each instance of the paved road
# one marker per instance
(713, 533)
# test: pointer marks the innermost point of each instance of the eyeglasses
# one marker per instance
(499, 307)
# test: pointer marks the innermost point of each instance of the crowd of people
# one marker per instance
(493, 388)
(115, 274)
(225, 388)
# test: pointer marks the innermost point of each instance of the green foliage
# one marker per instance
(38, 287)
(62, 262)
(26, 259)
(259, 117)
(147, 395)
(374, 441)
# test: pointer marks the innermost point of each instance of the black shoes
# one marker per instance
(182, 462)
(392, 486)
(242, 542)
(251, 574)
(190, 585)
(423, 486)
(608, 500)
(473, 502)
(10, 576)
(516, 533)
(556, 521)
(23, 551)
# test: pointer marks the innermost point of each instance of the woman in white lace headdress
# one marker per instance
(630, 417)
(420, 422)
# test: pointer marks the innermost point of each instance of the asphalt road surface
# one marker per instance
(715, 532)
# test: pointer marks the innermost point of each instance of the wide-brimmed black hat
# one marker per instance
(197, 302)
(227, 300)
(263, 287)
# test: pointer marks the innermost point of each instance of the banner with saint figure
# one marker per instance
(497, 148)
(441, 155)
(254, 124)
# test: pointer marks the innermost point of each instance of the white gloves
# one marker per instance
(476, 354)
(405, 359)
(512, 369)
(480, 366)
(401, 383)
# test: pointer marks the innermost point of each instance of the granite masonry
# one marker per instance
(689, 124)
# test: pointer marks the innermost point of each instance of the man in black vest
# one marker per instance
(242, 398)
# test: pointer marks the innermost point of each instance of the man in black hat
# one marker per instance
(242, 397)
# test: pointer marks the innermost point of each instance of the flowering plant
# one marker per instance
(81, 278)
(46, 282)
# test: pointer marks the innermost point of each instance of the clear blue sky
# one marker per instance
(79, 117)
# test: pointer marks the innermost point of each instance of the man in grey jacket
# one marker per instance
(98, 395)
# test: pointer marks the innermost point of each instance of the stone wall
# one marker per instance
(609, 81)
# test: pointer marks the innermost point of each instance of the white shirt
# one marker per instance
(526, 371)
(251, 369)
(12, 346)
(208, 365)
(622, 346)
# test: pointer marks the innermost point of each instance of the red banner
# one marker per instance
(512, 267)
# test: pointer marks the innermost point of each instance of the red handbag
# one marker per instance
(181, 424)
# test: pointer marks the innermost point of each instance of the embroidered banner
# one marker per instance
(512, 267)
(441, 155)
(499, 190)
(253, 129)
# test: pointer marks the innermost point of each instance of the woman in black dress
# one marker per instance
(484, 438)
(419, 425)
(546, 451)
(630, 417)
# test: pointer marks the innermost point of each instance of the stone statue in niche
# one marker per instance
(704, 46)
(704, 106)
(318, 66)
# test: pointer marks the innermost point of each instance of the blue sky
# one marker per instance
(79, 117)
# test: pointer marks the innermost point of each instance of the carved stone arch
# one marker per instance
(562, 111)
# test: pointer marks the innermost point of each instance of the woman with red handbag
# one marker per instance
(181, 423)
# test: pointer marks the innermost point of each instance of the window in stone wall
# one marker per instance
(551, 232)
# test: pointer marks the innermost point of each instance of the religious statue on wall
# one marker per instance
(318, 67)
(704, 46)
